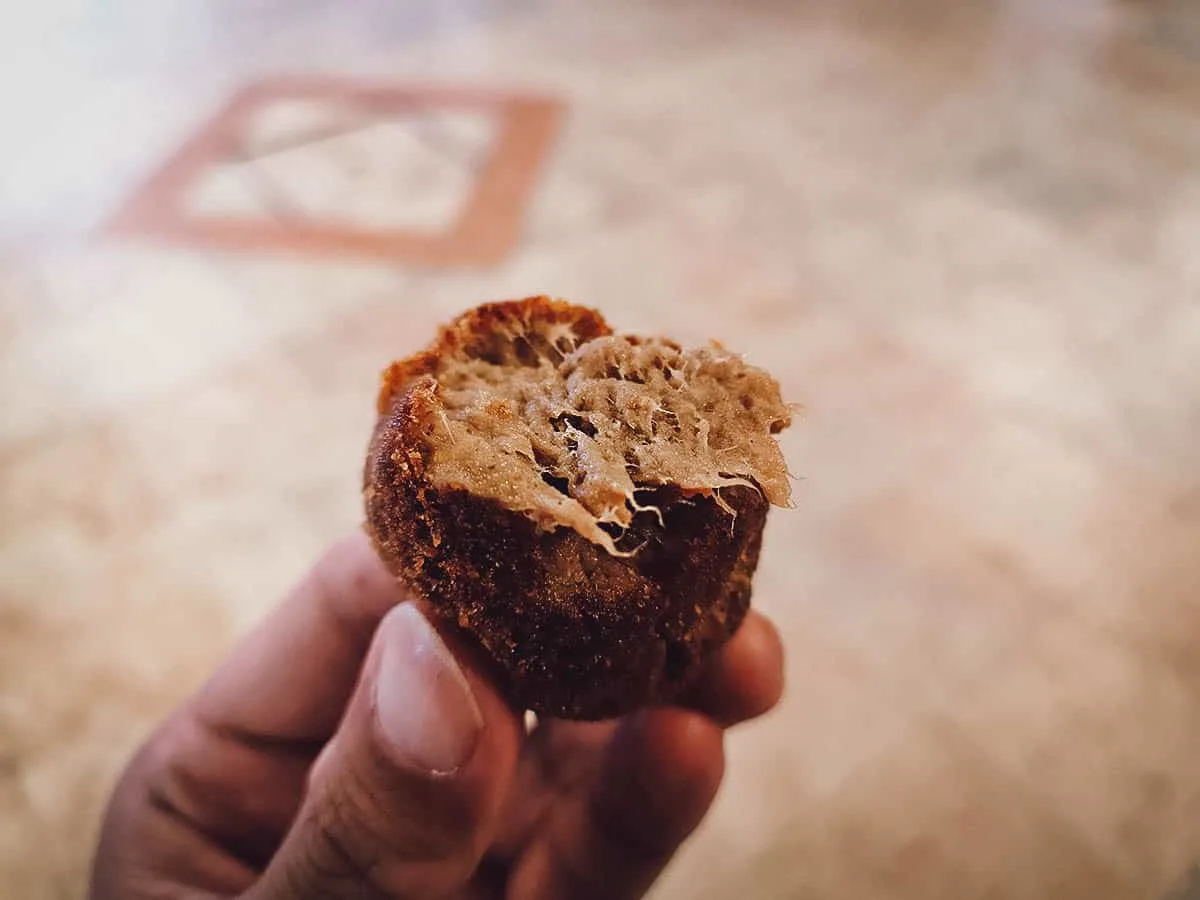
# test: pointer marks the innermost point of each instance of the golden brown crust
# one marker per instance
(574, 630)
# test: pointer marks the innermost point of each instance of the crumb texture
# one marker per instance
(536, 405)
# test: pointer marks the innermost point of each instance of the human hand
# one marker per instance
(345, 749)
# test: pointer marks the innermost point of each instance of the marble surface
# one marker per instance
(964, 236)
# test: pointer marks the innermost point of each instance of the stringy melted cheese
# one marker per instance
(569, 433)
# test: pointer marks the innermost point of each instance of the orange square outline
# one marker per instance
(487, 228)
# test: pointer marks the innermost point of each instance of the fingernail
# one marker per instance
(425, 707)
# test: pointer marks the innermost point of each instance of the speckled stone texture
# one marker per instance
(963, 235)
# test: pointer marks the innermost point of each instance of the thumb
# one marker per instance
(404, 799)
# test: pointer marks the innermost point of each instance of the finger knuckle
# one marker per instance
(387, 836)
(430, 817)
(441, 820)
(340, 851)
(647, 839)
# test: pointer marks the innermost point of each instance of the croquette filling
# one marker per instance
(578, 433)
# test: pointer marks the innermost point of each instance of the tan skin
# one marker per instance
(228, 797)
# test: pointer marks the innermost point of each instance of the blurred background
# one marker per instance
(965, 234)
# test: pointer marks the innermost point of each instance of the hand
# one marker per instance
(346, 749)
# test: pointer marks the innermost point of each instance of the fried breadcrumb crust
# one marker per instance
(575, 630)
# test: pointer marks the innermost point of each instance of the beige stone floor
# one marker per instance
(965, 235)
